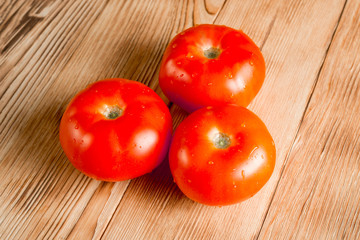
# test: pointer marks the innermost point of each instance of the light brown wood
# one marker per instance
(293, 67)
(318, 194)
(49, 50)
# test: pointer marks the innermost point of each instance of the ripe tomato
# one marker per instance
(221, 155)
(209, 65)
(115, 130)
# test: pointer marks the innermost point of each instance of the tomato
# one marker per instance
(116, 129)
(209, 65)
(221, 155)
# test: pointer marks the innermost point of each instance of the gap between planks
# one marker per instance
(302, 119)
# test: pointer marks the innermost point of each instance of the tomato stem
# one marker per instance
(113, 112)
(212, 53)
(221, 141)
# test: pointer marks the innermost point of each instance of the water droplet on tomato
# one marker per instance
(174, 45)
(242, 125)
(210, 162)
(210, 84)
(243, 174)
(209, 107)
(189, 55)
(76, 126)
(189, 181)
(230, 75)
(142, 106)
(193, 75)
(251, 63)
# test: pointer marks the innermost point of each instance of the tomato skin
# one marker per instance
(192, 80)
(116, 149)
(215, 176)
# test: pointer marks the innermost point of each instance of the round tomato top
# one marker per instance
(221, 155)
(116, 129)
(209, 65)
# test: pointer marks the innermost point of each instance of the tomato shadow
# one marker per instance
(159, 185)
(156, 187)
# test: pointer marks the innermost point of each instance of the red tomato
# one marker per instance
(115, 130)
(221, 155)
(209, 65)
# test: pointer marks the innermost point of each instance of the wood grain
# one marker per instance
(318, 194)
(39, 188)
(38, 72)
(51, 49)
(293, 66)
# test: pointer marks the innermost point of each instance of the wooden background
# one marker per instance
(310, 101)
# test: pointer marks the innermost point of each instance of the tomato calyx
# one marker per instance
(113, 112)
(221, 140)
(212, 53)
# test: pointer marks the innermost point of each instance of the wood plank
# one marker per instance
(19, 18)
(98, 212)
(61, 46)
(38, 186)
(74, 44)
(21, 25)
(318, 194)
(179, 14)
(294, 36)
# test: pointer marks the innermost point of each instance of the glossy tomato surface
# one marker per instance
(115, 130)
(221, 155)
(209, 65)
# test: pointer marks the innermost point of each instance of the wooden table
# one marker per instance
(310, 101)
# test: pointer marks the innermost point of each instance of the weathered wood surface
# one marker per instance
(310, 101)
